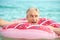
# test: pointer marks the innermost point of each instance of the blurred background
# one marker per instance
(16, 9)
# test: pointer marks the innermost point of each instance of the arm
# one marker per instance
(3, 22)
(53, 25)
(56, 30)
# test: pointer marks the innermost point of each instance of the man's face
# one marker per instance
(33, 17)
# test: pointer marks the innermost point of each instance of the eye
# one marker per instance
(31, 15)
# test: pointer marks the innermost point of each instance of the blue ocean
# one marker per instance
(16, 9)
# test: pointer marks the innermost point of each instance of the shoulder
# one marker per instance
(46, 21)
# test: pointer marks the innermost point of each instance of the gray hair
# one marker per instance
(33, 8)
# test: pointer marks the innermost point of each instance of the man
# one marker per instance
(32, 17)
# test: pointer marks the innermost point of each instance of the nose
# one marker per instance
(34, 18)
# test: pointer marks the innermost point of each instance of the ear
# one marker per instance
(27, 17)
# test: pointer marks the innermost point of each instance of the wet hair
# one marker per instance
(32, 8)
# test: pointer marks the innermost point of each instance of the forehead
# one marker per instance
(32, 12)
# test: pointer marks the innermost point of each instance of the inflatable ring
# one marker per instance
(26, 31)
(30, 32)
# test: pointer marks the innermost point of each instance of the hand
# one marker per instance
(51, 27)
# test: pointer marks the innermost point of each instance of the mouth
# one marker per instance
(33, 22)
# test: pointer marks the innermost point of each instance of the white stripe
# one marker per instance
(44, 21)
(7, 26)
(53, 23)
(32, 25)
(18, 25)
(14, 27)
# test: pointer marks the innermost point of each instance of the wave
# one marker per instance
(7, 6)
